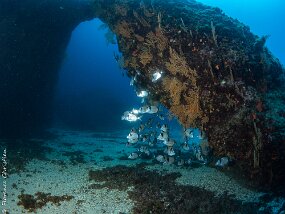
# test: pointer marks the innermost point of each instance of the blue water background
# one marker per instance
(92, 91)
(264, 17)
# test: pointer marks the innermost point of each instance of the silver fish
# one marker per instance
(133, 135)
(199, 156)
(164, 128)
(169, 142)
(142, 94)
(161, 117)
(185, 146)
(150, 143)
(141, 128)
(129, 116)
(144, 139)
(160, 158)
(188, 133)
(162, 136)
(169, 160)
(224, 161)
(143, 109)
(152, 109)
(133, 156)
(170, 151)
(132, 141)
(156, 76)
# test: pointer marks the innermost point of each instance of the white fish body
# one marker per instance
(132, 141)
(135, 111)
(133, 156)
(199, 156)
(189, 133)
(147, 152)
(133, 118)
(170, 152)
(169, 142)
(133, 135)
(160, 158)
(200, 136)
(126, 113)
(142, 94)
(141, 128)
(142, 149)
(156, 76)
(162, 136)
(224, 161)
(169, 160)
(164, 128)
(186, 147)
(152, 109)
(132, 82)
(143, 109)
(129, 116)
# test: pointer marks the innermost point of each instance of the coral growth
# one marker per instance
(141, 19)
(123, 29)
(183, 102)
(178, 65)
(121, 10)
(157, 40)
(145, 57)
(175, 88)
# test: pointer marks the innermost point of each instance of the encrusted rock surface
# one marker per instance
(216, 76)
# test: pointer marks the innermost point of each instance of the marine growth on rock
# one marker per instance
(211, 72)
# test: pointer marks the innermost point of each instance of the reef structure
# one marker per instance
(216, 76)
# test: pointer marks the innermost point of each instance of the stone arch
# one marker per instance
(217, 75)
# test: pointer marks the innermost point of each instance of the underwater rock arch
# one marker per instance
(216, 74)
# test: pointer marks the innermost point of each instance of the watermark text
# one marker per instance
(4, 175)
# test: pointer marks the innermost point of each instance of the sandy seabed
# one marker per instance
(61, 175)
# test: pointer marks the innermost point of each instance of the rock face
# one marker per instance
(33, 38)
(216, 76)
